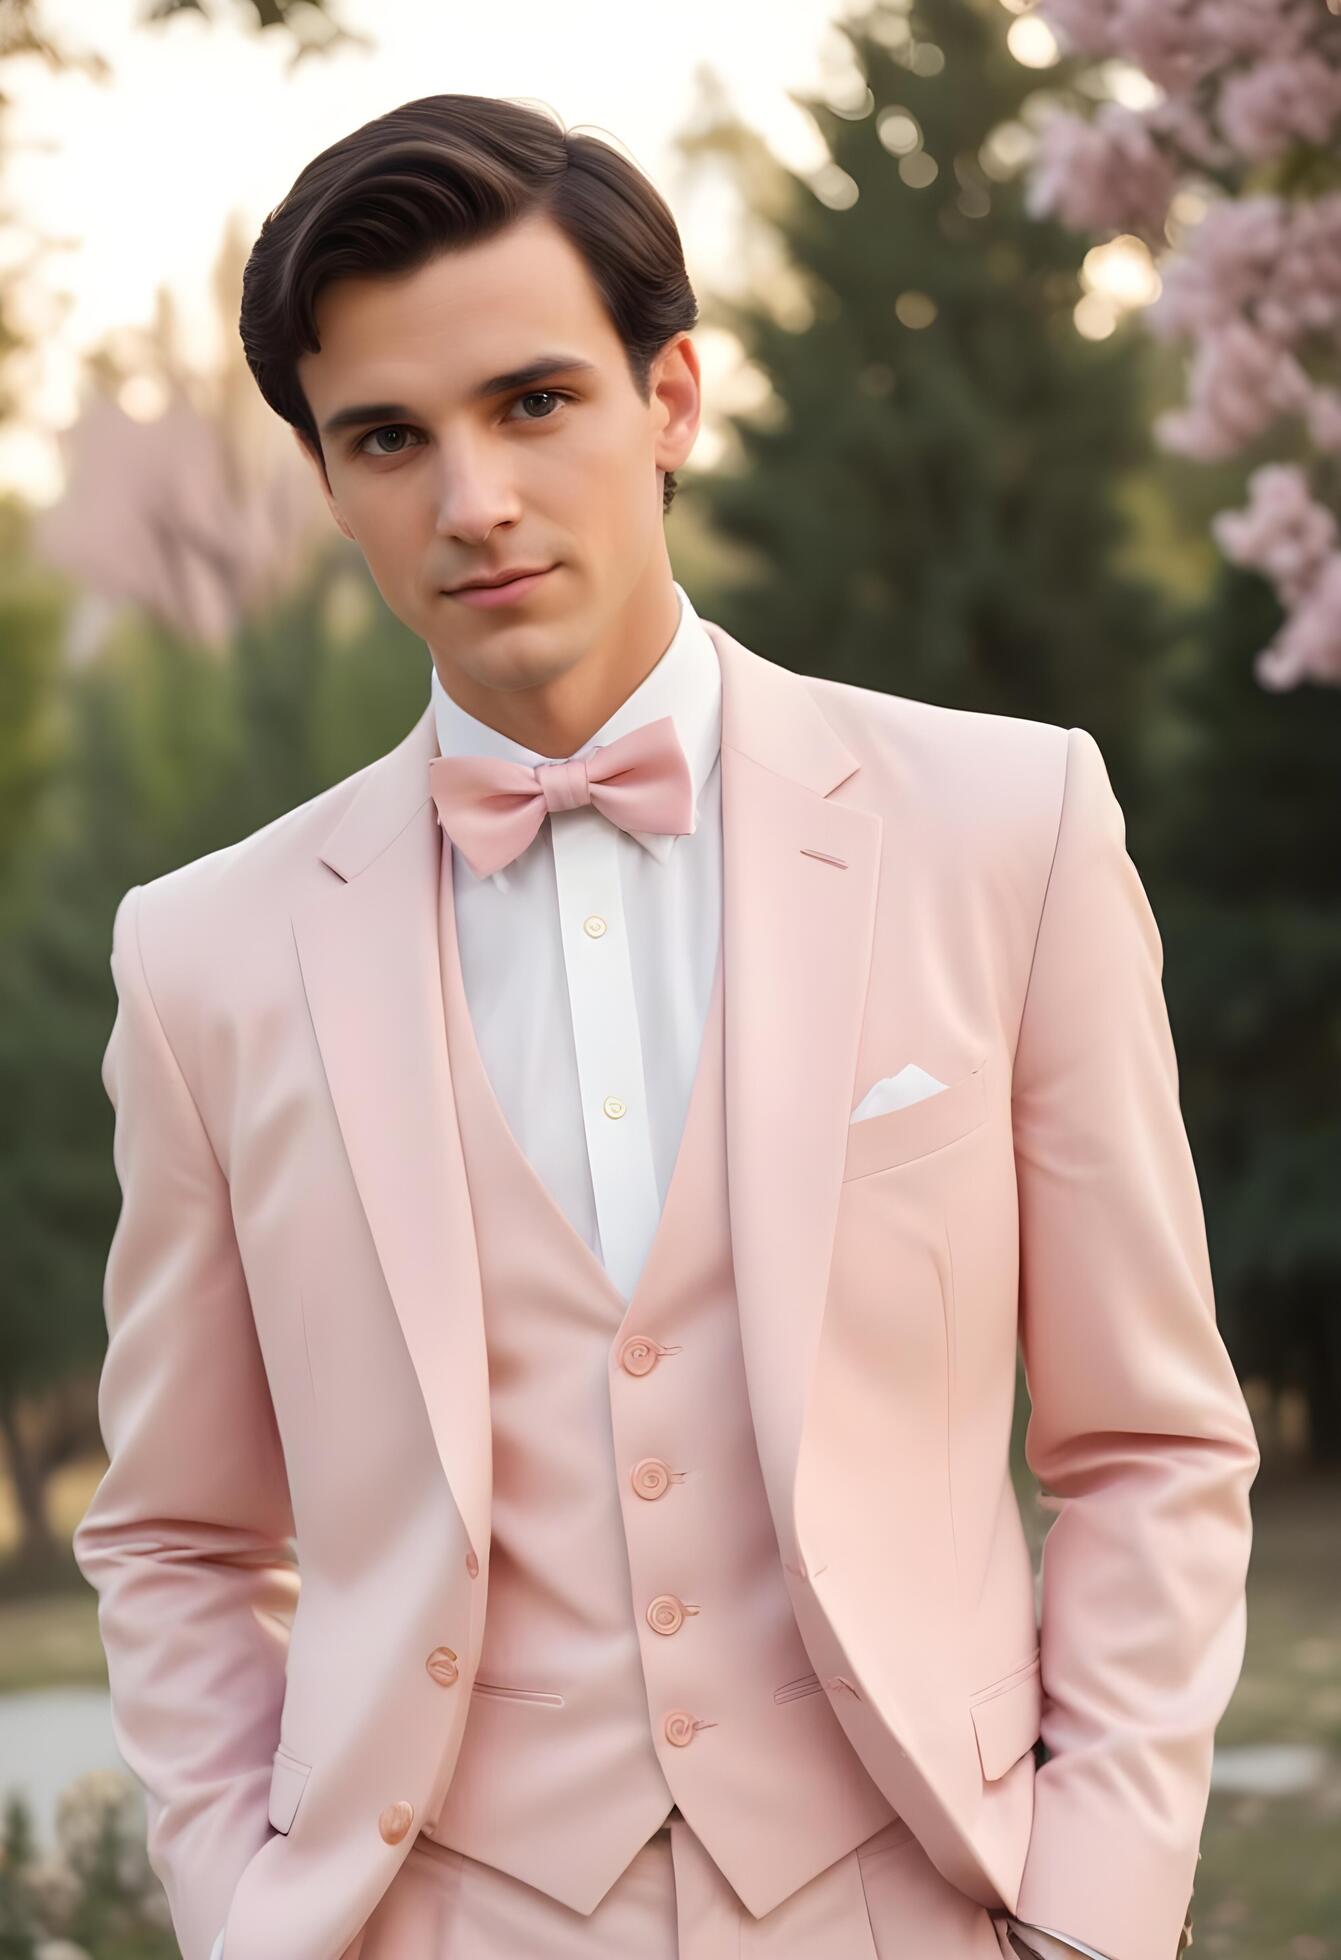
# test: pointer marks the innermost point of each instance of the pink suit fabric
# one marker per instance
(326, 1296)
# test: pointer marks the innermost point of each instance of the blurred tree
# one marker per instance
(1249, 841)
(78, 825)
(30, 677)
(931, 489)
(172, 752)
(312, 24)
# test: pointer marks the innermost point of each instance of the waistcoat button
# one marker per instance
(679, 1727)
(395, 1821)
(441, 1664)
(472, 1565)
(665, 1614)
(650, 1478)
(638, 1356)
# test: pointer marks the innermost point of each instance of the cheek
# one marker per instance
(392, 528)
(608, 460)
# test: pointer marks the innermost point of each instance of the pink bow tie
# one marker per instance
(491, 808)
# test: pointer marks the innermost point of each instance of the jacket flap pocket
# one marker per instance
(287, 1781)
(1008, 1719)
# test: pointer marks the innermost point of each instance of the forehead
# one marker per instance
(465, 315)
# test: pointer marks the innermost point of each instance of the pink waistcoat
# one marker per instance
(640, 1648)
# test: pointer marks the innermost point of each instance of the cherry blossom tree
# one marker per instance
(1229, 172)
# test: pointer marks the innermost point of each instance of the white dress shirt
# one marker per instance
(588, 965)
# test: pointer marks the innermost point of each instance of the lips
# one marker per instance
(508, 578)
(512, 591)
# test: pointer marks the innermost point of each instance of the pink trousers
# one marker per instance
(883, 1901)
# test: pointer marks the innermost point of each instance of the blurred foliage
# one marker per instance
(91, 1896)
(944, 496)
(169, 752)
(312, 25)
(1245, 839)
(971, 511)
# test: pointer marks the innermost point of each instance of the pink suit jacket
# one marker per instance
(901, 882)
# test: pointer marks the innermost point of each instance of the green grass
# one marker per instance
(50, 1642)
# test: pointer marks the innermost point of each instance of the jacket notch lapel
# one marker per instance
(368, 947)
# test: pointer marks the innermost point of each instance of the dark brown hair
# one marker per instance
(447, 171)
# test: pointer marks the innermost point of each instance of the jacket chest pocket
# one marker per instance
(878, 1143)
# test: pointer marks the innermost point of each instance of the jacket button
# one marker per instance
(665, 1614)
(638, 1356)
(472, 1564)
(650, 1478)
(679, 1727)
(395, 1821)
(441, 1664)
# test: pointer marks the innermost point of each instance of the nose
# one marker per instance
(474, 497)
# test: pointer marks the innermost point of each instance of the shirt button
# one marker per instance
(679, 1727)
(441, 1664)
(650, 1477)
(594, 927)
(665, 1614)
(613, 1106)
(472, 1565)
(638, 1356)
(395, 1821)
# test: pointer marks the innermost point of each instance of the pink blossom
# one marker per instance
(1239, 383)
(1255, 287)
(1179, 43)
(1263, 110)
(1227, 263)
(1308, 645)
(159, 515)
(1168, 39)
(1323, 417)
(1257, 30)
(1184, 130)
(1283, 533)
(1106, 174)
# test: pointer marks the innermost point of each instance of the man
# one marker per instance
(599, 1160)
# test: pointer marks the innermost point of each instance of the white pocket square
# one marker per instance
(910, 1085)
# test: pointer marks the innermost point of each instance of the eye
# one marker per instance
(542, 394)
(532, 395)
(384, 430)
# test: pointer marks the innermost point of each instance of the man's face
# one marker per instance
(443, 483)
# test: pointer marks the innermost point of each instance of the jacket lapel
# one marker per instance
(799, 878)
(799, 885)
(368, 947)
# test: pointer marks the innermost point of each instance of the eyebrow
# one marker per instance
(539, 369)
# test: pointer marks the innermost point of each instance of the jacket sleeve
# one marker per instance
(1138, 1430)
(185, 1538)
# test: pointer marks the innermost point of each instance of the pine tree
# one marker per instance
(931, 502)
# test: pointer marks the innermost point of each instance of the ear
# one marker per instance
(676, 392)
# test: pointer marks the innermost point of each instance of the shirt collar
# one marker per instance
(685, 684)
